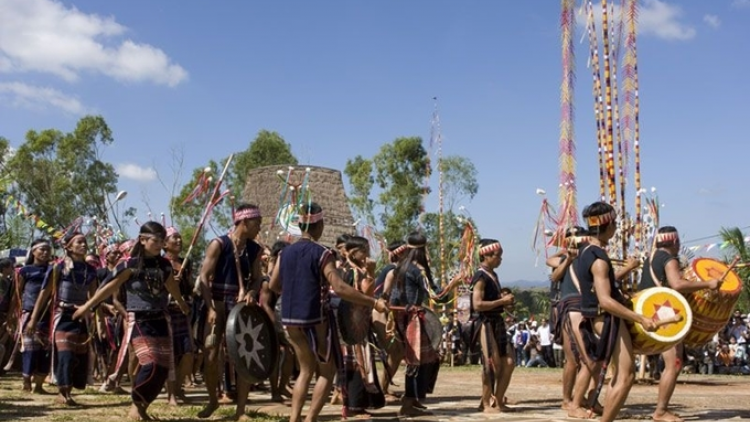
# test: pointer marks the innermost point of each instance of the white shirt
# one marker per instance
(543, 333)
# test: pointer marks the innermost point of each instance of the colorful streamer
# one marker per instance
(568, 185)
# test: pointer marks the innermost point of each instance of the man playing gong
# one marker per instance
(231, 273)
(662, 269)
(487, 310)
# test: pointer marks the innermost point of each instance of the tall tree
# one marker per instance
(459, 180)
(60, 176)
(736, 246)
(400, 169)
(359, 172)
(268, 149)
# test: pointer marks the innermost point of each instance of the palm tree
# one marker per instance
(734, 240)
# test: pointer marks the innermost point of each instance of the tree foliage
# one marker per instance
(452, 232)
(459, 180)
(359, 172)
(736, 246)
(400, 169)
(268, 149)
(60, 176)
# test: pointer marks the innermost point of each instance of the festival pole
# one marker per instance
(598, 99)
(210, 203)
(441, 232)
(568, 187)
(608, 107)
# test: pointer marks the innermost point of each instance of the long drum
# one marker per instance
(711, 309)
(660, 303)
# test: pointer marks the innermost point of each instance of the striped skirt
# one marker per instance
(71, 353)
(182, 337)
(151, 338)
(35, 348)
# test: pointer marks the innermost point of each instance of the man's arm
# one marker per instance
(600, 271)
(208, 269)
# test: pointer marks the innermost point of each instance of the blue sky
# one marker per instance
(337, 79)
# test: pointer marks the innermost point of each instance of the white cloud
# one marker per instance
(23, 95)
(136, 172)
(712, 20)
(655, 18)
(739, 4)
(46, 36)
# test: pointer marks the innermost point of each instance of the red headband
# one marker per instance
(600, 220)
(671, 237)
(310, 218)
(246, 214)
(171, 231)
(399, 250)
(492, 247)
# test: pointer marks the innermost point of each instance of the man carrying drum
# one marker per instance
(602, 306)
(662, 269)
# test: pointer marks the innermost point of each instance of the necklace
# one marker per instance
(76, 285)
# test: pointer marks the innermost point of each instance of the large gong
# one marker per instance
(251, 342)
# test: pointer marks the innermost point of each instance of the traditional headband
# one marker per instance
(171, 231)
(72, 238)
(41, 245)
(671, 237)
(576, 240)
(308, 219)
(246, 214)
(110, 248)
(600, 220)
(492, 247)
(399, 250)
(416, 246)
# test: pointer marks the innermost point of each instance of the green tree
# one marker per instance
(60, 176)
(268, 149)
(736, 246)
(359, 172)
(459, 180)
(400, 170)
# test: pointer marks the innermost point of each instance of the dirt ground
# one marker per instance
(534, 393)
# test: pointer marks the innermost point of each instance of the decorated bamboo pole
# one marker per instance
(622, 162)
(441, 233)
(632, 103)
(598, 98)
(568, 187)
(210, 203)
(608, 106)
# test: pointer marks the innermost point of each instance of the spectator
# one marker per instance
(545, 339)
(534, 349)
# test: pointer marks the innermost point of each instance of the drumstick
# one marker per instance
(663, 322)
(730, 268)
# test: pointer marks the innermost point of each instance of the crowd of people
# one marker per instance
(136, 310)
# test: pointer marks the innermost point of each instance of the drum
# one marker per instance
(252, 342)
(660, 304)
(354, 322)
(711, 309)
(433, 327)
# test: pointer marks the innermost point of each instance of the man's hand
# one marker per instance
(715, 284)
(648, 324)
(381, 306)
(249, 298)
(80, 313)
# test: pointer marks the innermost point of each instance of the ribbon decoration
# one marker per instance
(12, 203)
(213, 199)
(292, 197)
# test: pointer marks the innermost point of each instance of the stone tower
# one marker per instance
(264, 187)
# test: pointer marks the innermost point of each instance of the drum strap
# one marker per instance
(573, 275)
(656, 280)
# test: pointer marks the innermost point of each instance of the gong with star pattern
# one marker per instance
(252, 342)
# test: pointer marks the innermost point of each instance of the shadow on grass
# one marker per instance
(15, 412)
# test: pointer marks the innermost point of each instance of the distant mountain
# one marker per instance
(526, 284)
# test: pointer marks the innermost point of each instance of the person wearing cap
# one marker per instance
(71, 282)
(304, 275)
(662, 269)
(486, 308)
(222, 289)
(602, 305)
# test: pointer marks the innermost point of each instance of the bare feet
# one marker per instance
(580, 413)
(490, 409)
(226, 399)
(666, 416)
(138, 413)
(208, 410)
(173, 401)
(241, 417)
